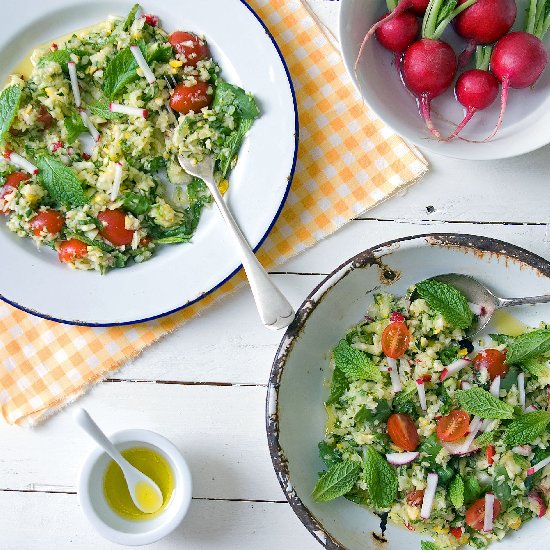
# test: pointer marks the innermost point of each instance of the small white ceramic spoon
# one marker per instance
(144, 491)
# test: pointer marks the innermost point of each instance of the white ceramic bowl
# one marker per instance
(526, 124)
(114, 527)
(295, 415)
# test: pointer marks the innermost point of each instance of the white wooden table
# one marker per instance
(204, 385)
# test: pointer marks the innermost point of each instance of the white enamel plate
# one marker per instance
(177, 275)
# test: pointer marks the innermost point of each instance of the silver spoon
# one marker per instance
(478, 294)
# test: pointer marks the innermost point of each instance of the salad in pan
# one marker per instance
(446, 435)
(86, 135)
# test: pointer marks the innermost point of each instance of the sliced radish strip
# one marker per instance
(394, 375)
(495, 387)
(521, 389)
(421, 393)
(74, 82)
(89, 125)
(489, 512)
(477, 309)
(127, 110)
(147, 72)
(465, 385)
(456, 448)
(115, 189)
(20, 162)
(540, 507)
(530, 409)
(523, 450)
(404, 364)
(538, 466)
(475, 424)
(429, 495)
(485, 425)
(400, 459)
(453, 368)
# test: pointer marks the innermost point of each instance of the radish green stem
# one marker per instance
(483, 56)
(541, 15)
(438, 16)
(531, 17)
(443, 25)
(392, 4)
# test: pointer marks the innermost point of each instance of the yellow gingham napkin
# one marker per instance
(348, 161)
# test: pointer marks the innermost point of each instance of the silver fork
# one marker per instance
(274, 309)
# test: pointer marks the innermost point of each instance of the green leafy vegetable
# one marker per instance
(10, 99)
(430, 448)
(160, 53)
(120, 71)
(336, 481)
(526, 428)
(380, 478)
(483, 404)
(510, 379)
(232, 145)
(500, 485)
(100, 107)
(136, 203)
(446, 401)
(485, 438)
(536, 366)
(404, 401)
(501, 338)
(427, 545)
(329, 455)
(60, 181)
(449, 354)
(155, 165)
(62, 57)
(355, 364)
(74, 126)
(359, 496)
(380, 414)
(448, 301)
(338, 386)
(472, 489)
(528, 345)
(456, 491)
(123, 26)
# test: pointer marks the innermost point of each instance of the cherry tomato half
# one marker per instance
(44, 117)
(493, 361)
(415, 498)
(453, 426)
(12, 182)
(402, 431)
(395, 340)
(476, 513)
(50, 220)
(113, 227)
(490, 454)
(71, 250)
(190, 98)
(194, 48)
(456, 532)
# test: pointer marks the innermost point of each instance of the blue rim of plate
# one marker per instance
(233, 273)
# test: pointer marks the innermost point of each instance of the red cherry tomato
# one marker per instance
(397, 317)
(453, 426)
(493, 361)
(490, 454)
(190, 98)
(113, 227)
(71, 250)
(44, 118)
(194, 48)
(395, 339)
(476, 513)
(456, 532)
(50, 220)
(415, 498)
(402, 431)
(12, 182)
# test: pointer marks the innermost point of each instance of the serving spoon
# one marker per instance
(145, 493)
(478, 294)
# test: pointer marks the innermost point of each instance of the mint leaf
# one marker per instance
(62, 57)
(338, 386)
(526, 428)
(380, 478)
(329, 455)
(500, 485)
(483, 404)
(528, 345)
(74, 126)
(448, 301)
(60, 181)
(227, 95)
(100, 107)
(472, 489)
(456, 491)
(359, 496)
(427, 545)
(501, 338)
(120, 71)
(355, 364)
(10, 99)
(485, 438)
(123, 26)
(338, 480)
(536, 366)
(510, 379)
(136, 203)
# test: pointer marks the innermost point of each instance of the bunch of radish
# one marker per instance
(429, 65)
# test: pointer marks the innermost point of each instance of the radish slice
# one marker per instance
(394, 374)
(521, 389)
(115, 189)
(538, 466)
(147, 72)
(20, 162)
(465, 385)
(127, 110)
(476, 309)
(404, 364)
(421, 393)
(89, 125)
(523, 450)
(429, 495)
(74, 82)
(495, 387)
(489, 512)
(400, 459)
(475, 424)
(453, 368)
(456, 448)
(530, 409)
(540, 507)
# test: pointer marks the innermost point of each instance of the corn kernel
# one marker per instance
(223, 186)
(441, 529)
(463, 352)
(175, 63)
(514, 523)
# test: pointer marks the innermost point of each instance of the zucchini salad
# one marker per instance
(104, 112)
(446, 435)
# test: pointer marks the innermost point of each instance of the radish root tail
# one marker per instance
(503, 101)
(469, 114)
(425, 110)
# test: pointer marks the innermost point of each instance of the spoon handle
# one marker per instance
(85, 421)
(507, 302)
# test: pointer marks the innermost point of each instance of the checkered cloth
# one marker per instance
(348, 161)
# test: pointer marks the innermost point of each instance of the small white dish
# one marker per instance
(114, 527)
(526, 125)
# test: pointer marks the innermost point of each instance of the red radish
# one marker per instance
(400, 459)
(489, 512)
(534, 469)
(394, 375)
(430, 65)
(484, 23)
(429, 495)
(476, 90)
(421, 394)
(475, 425)
(536, 503)
(453, 368)
(457, 448)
